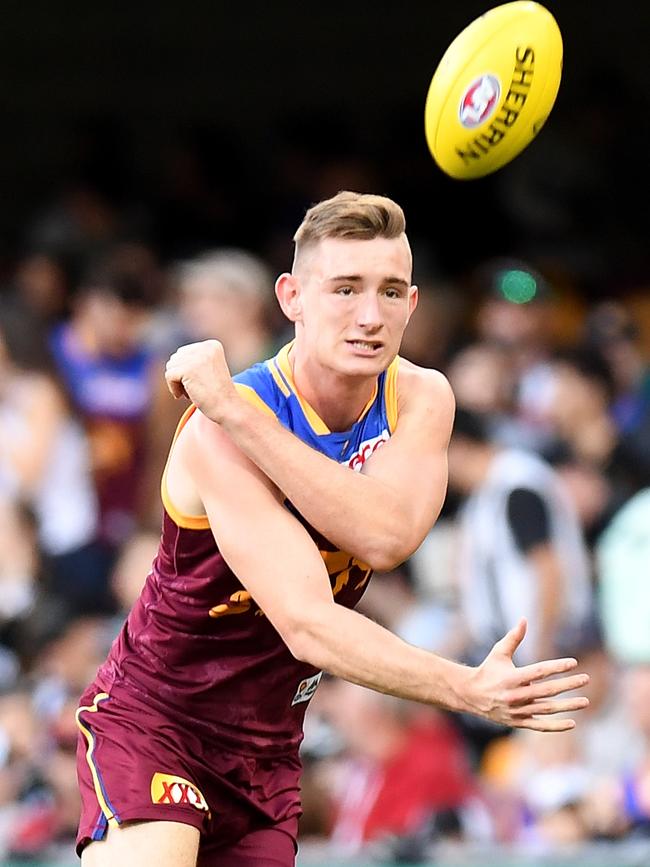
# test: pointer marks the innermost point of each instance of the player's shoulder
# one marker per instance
(258, 385)
(423, 385)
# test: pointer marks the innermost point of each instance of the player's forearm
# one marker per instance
(351, 646)
(328, 495)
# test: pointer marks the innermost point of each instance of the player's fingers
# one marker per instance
(548, 688)
(547, 724)
(511, 640)
(546, 668)
(177, 390)
(175, 385)
(565, 705)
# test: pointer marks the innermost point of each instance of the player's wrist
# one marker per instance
(234, 413)
(459, 683)
(226, 408)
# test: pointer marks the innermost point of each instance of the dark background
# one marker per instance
(267, 106)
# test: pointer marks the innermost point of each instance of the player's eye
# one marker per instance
(392, 292)
(344, 290)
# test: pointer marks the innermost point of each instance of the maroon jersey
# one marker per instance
(196, 642)
(196, 716)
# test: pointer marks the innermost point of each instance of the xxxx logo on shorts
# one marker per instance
(169, 789)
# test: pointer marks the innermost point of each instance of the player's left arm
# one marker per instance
(380, 515)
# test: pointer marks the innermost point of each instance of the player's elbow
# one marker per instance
(387, 553)
(305, 634)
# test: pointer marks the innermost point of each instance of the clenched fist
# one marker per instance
(199, 372)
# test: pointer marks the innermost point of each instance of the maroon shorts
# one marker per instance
(135, 763)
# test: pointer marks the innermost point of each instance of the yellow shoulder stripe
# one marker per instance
(278, 379)
(313, 419)
(186, 522)
(201, 522)
(253, 397)
(390, 393)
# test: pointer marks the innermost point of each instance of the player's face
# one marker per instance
(355, 300)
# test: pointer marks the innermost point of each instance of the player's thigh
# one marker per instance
(268, 847)
(134, 844)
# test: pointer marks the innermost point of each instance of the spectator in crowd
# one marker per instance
(521, 550)
(547, 782)
(623, 566)
(618, 807)
(44, 462)
(515, 313)
(42, 284)
(107, 370)
(484, 381)
(38, 731)
(401, 768)
(435, 323)
(611, 333)
(227, 294)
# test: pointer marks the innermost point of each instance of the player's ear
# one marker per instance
(414, 294)
(287, 291)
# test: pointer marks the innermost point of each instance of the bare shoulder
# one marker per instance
(423, 386)
(212, 457)
(204, 443)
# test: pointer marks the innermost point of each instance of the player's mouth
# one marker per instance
(365, 347)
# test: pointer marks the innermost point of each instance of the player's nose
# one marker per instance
(368, 311)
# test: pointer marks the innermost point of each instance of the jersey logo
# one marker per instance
(367, 448)
(169, 789)
(306, 689)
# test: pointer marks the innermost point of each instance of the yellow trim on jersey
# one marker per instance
(315, 421)
(373, 397)
(201, 522)
(90, 740)
(186, 522)
(249, 393)
(390, 393)
(278, 379)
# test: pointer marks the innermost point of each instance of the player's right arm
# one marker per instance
(277, 561)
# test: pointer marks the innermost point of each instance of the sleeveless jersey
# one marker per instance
(195, 642)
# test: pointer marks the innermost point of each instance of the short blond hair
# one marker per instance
(360, 216)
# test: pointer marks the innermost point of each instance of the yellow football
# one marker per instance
(493, 89)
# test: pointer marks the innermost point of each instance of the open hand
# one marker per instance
(525, 697)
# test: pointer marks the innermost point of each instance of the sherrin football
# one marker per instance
(493, 89)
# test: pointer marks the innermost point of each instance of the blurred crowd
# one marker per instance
(547, 517)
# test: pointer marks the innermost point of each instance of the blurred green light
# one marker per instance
(520, 287)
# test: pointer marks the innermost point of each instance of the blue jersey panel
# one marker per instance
(273, 382)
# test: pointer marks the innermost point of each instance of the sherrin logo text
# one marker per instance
(504, 120)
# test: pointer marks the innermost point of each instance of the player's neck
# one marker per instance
(337, 399)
